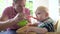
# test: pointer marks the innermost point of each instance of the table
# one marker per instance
(53, 33)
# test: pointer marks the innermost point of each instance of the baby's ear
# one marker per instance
(47, 15)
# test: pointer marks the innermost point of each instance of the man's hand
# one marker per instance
(17, 18)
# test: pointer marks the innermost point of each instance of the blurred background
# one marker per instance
(52, 5)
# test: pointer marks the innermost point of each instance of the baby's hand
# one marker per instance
(29, 30)
(30, 24)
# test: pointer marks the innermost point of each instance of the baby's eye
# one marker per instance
(38, 13)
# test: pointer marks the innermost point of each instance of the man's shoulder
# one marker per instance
(10, 7)
(8, 10)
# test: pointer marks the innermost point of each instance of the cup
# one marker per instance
(22, 23)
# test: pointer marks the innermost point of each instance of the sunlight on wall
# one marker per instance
(53, 9)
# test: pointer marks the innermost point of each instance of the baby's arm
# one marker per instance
(37, 30)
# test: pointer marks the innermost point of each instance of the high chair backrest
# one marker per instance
(58, 26)
(55, 26)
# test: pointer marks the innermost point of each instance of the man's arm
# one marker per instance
(9, 22)
(5, 21)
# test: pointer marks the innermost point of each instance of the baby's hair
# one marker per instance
(43, 8)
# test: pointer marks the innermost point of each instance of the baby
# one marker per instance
(46, 23)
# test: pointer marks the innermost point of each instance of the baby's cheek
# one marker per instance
(39, 17)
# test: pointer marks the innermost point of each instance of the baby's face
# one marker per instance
(41, 15)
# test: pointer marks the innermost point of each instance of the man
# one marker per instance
(9, 23)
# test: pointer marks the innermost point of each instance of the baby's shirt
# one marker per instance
(48, 24)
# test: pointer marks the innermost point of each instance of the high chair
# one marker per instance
(55, 26)
(58, 26)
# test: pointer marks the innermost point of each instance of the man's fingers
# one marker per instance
(27, 31)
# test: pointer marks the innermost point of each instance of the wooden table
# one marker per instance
(21, 31)
(45, 33)
(53, 33)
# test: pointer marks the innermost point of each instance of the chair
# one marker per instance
(55, 26)
(58, 26)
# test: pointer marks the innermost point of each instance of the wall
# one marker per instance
(52, 6)
(53, 9)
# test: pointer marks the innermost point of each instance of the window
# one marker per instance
(29, 4)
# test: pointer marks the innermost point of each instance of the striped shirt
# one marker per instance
(48, 24)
